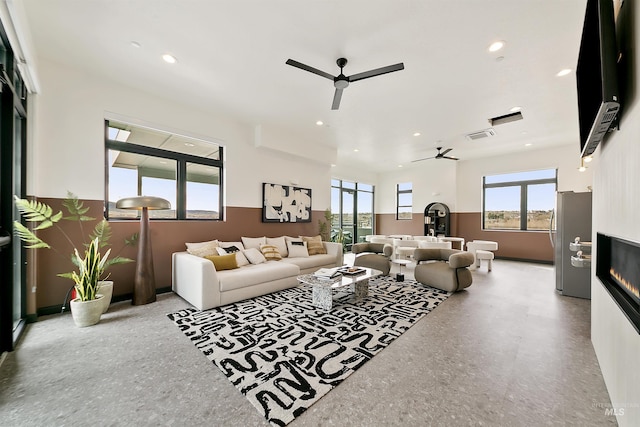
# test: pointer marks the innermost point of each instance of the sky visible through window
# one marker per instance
(540, 197)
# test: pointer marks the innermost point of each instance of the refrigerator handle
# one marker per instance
(553, 213)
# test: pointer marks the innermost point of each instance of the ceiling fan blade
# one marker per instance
(446, 151)
(336, 99)
(419, 160)
(376, 72)
(450, 158)
(305, 67)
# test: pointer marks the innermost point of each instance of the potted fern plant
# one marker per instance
(89, 279)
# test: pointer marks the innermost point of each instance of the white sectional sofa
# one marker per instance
(196, 279)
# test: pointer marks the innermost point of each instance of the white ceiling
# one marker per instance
(231, 56)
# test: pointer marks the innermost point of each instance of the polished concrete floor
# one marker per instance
(508, 351)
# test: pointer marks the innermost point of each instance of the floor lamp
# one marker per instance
(144, 289)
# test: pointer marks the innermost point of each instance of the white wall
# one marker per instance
(433, 181)
(67, 141)
(565, 158)
(459, 184)
(616, 200)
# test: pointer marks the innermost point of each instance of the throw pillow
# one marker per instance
(314, 245)
(270, 252)
(297, 249)
(238, 245)
(240, 258)
(253, 242)
(223, 262)
(254, 256)
(279, 243)
(203, 249)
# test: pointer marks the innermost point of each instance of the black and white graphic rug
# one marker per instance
(284, 354)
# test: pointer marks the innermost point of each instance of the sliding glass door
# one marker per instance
(13, 102)
(351, 212)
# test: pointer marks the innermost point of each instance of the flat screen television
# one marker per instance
(597, 75)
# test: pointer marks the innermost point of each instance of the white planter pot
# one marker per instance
(87, 313)
(105, 287)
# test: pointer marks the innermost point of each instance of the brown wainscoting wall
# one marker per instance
(166, 237)
(523, 245)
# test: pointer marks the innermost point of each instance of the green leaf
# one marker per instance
(44, 224)
(117, 260)
(75, 208)
(102, 232)
(28, 237)
(34, 211)
(133, 240)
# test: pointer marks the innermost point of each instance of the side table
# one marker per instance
(400, 262)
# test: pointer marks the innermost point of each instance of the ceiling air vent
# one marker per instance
(481, 134)
(507, 118)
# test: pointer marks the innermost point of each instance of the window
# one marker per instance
(519, 201)
(352, 213)
(185, 171)
(404, 201)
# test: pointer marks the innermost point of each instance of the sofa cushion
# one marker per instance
(312, 261)
(203, 248)
(254, 256)
(223, 262)
(279, 242)
(297, 249)
(314, 245)
(270, 252)
(253, 242)
(256, 274)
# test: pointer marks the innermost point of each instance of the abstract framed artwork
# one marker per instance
(284, 203)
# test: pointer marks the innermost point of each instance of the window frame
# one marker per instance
(181, 159)
(398, 205)
(523, 184)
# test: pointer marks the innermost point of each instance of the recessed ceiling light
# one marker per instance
(514, 109)
(135, 44)
(496, 46)
(564, 72)
(163, 162)
(319, 122)
(399, 166)
(528, 144)
(355, 150)
(169, 58)
(333, 165)
(587, 159)
(417, 134)
(188, 144)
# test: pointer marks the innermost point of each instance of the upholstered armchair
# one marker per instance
(373, 255)
(444, 269)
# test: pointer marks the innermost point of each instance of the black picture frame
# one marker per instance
(285, 203)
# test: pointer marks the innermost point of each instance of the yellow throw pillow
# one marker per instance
(270, 252)
(314, 245)
(223, 262)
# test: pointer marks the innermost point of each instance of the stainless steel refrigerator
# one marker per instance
(572, 219)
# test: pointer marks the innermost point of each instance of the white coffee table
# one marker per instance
(400, 262)
(323, 289)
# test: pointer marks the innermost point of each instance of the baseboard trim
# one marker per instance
(535, 261)
(57, 309)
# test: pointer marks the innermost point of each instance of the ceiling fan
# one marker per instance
(440, 155)
(341, 82)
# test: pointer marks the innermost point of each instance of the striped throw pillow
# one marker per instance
(270, 252)
(314, 245)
